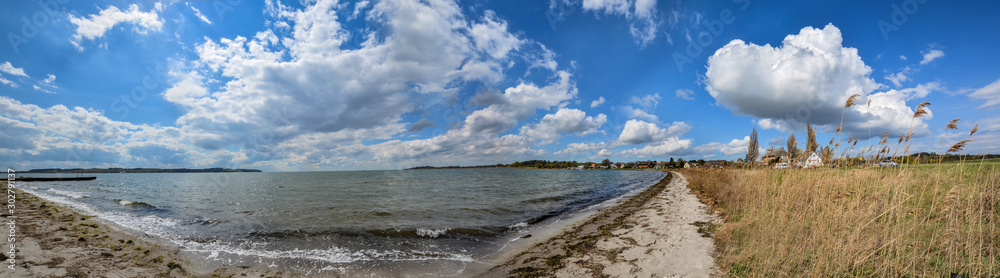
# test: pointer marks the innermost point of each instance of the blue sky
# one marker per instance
(343, 85)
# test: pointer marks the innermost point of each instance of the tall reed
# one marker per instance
(926, 220)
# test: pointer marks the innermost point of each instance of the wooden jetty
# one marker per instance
(55, 179)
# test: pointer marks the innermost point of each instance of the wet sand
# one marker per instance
(55, 241)
(662, 232)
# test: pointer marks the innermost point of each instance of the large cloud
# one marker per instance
(808, 78)
(478, 134)
(421, 48)
(60, 136)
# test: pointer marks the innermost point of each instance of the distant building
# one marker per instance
(660, 165)
(772, 154)
(643, 164)
(687, 165)
(618, 165)
(715, 163)
(814, 160)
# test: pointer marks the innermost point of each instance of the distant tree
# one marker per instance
(811, 145)
(793, 147)
(753, 149)
(680, 163)
(606, 162)
(629, 165)
(515, 164)
(701, 162)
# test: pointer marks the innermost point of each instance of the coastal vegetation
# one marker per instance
(904, 221)
(933, 216)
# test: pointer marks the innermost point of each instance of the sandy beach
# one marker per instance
(661, 232)
(654, 233)
(55, 241)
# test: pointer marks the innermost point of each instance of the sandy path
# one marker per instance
(664, 241)
(647, 236)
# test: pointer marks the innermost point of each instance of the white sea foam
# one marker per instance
(518, 225)
(167, 229)
(432, 233)
(62, 200)
(71, 194)
(124, 202)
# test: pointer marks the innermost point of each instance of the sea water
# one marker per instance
(385, 223)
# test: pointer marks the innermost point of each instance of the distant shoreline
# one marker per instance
(137, 170)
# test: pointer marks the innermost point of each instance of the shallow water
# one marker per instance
(410, 223)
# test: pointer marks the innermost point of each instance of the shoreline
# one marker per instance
(660, 231)
(53, 240)
(57, 240)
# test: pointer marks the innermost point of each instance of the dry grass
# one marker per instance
(925, 221)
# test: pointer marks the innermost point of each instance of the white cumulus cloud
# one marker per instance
(931, 55)
(808, 78)
(669, 146)
(736, 147)
(597, 102)
(564, 121)
(96, 25)
(8, 68)
(685, 94)
(638, 132)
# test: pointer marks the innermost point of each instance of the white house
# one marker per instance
(814, 160)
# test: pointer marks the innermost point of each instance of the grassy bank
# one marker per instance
(908, 221)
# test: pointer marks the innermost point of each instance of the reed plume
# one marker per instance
(850, 101)
(920, 111)
(958, 146)
(952, 125)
